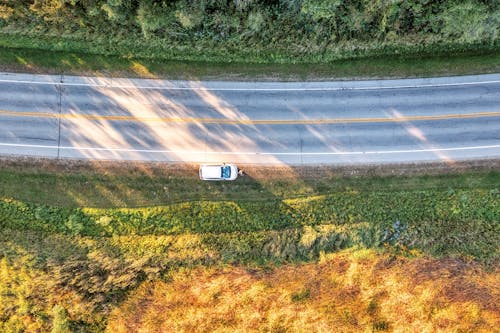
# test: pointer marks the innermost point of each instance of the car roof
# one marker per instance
(211, 171)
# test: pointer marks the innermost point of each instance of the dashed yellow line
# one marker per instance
(246, 121)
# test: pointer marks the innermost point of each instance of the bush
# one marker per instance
(321, 10)
(188, 17)
(471, 22)
(152, 17)
(60, 322)
(5, 12)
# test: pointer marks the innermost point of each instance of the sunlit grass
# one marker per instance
(237, 282)
(388, 294)
(138, 185)
(141, 70)
(57, 62)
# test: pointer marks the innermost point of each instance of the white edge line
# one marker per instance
(247, 153)
(249, 89)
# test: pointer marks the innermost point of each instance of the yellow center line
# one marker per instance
(246, 121)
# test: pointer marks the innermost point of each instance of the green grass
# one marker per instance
(57, 62)
(438, 222)
(462, 210)
(143, 186)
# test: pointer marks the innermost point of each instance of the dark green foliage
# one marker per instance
(153, 17)
(301, 296)
(380, 326)
(251, 30)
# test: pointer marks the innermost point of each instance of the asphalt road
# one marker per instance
(346, 122)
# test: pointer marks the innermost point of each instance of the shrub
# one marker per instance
(189, 17)
(244, 5)
(60, 321)
(5, 12)
(118, 11)
(321, 10)
(255, 22)
(152, 17)
(471, 22)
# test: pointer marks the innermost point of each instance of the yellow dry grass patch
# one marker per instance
(345, 292)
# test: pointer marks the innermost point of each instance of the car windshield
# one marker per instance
(226, 171)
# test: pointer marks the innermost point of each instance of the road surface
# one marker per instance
(345, 122)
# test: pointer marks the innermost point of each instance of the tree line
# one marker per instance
(312, 24)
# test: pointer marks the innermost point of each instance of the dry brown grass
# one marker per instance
(359, 291)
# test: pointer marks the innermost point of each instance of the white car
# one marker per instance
(218, 171)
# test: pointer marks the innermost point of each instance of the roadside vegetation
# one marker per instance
(386, 251)
(95, 248)
(71, 63)
(222, 38)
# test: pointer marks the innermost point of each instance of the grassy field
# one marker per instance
(351, 291)
(109, 185)
(50, 281)
(71, 63)
(442, 214)
(75, 255)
